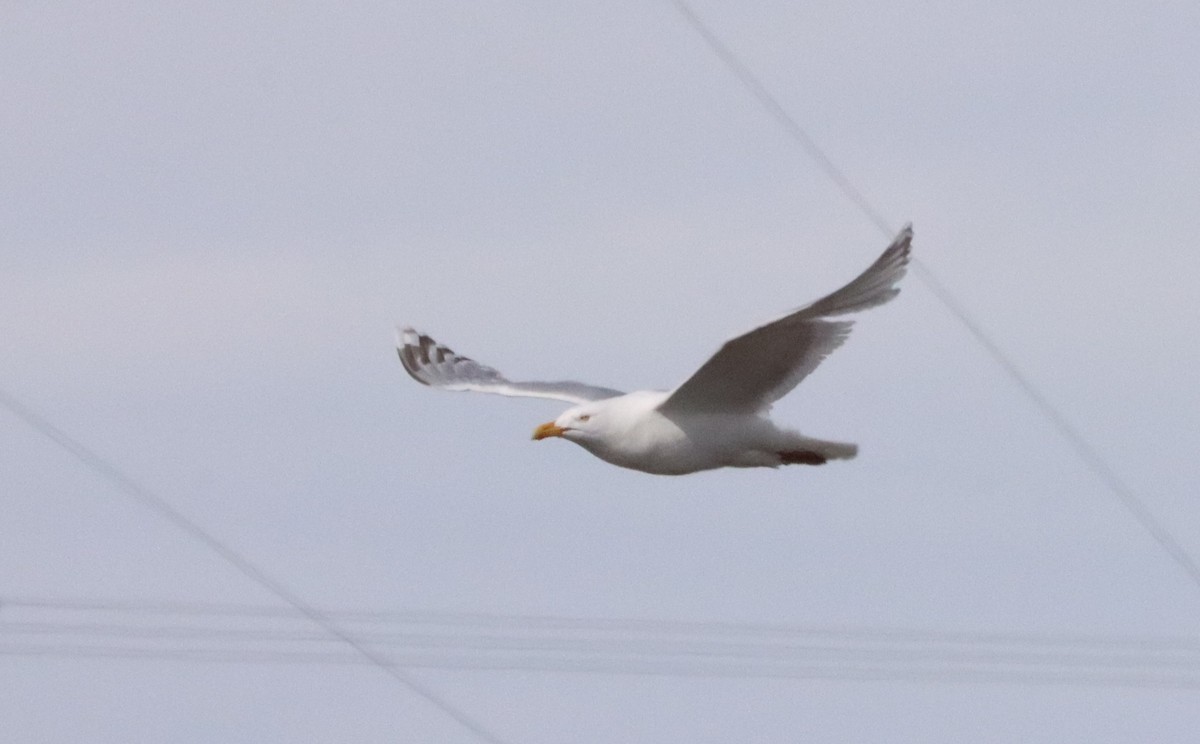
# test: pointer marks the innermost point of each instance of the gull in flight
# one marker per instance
(718, 417)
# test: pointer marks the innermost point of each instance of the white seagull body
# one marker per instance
(718, 416)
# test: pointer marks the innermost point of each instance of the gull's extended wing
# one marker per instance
(754, 370)
(433, 364)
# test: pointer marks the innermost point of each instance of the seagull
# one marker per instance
(718, 417)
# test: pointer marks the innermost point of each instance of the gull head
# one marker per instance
(575, 424)
(603, 426)
(626, 430)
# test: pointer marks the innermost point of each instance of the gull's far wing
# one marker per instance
(754, 370)
(433, 364)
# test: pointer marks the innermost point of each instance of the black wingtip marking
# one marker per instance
(408, 358)
(408, 355)
(425, 343)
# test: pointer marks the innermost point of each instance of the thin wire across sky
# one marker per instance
(266, 635)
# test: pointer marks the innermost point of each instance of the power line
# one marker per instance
(146, 498)
(1087, 453)
(460, 648)
(1149, 651)
(252, 634)
(756, 88)
(934, 671)
(379, 623)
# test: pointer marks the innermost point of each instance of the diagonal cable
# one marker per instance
(1087, 453)
(106, 470)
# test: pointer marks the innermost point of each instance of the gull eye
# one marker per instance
(585, 417)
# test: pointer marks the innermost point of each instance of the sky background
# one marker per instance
(213, 214)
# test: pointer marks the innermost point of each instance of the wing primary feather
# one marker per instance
(437, 365)
(874, 286)
(408, 358)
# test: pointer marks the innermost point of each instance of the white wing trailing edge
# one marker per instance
(752, 371)
(435, 365)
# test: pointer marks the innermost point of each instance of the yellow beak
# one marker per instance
(548, 429)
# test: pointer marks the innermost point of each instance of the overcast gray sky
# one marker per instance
(212, 215)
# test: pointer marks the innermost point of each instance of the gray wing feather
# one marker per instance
(436, 365)
(754, 370)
